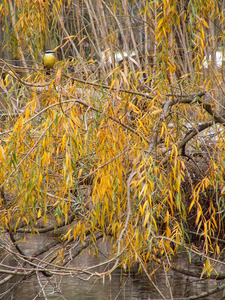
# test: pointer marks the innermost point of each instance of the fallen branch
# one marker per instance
(193, 132)
(204, 294)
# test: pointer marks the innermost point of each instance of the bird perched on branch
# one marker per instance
(49, 60)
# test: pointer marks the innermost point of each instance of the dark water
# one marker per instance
(121, 285)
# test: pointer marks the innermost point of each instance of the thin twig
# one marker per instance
(128, 209)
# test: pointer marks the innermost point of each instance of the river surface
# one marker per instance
(120, 286)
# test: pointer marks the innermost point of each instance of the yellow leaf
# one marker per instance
(199, 214)
(145, 204)
(58, 218)
(124, 78)
(222, 190)
(81, 41)
(157, 111)
(18, 124)
(140, 181)
(58, 76)
(67, 159)
(40, 179)
(2, 155)
(112, 84)
(147, 216)
(79, 173)
(204, 22)
(67, 38)
(162, 131)
(141, 210)
(66, 211)
(68, 234)
(63, 142)
(39, 213)
(17, 223)
(27, 114)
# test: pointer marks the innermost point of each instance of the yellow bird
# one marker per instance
(49, 60)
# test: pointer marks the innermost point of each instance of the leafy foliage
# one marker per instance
(117, 146)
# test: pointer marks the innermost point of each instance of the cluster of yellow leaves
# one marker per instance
(58, 142)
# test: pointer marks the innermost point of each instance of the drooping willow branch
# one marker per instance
(193, 132)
